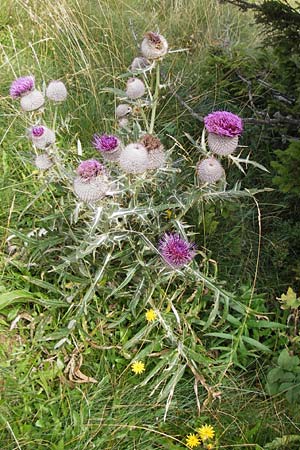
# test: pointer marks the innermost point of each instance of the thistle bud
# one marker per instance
(56, 91)
(43, 161)
(209, 170)
(135, 88)
(134, 158)
(123, 110)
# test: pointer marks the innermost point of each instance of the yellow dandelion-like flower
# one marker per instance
(192, 441)
(138, 367)
(150, 315)
(209, 447)
(206, 432)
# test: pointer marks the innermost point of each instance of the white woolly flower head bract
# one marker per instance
(32, 100)
(41, 136)
(135, 88)
(210, 170)
(222, 145)
(154, 45)
(134, 158)
(56, 91)
(43, 161)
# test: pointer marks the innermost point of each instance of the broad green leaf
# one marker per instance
(287, 362)
(256, 344)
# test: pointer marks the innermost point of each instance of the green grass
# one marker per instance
(89, 44)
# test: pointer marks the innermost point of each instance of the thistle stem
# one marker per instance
(155, 99)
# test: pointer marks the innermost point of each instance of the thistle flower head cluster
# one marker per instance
(31, 98)
(154, 46)
(224, 123)
(176, 251)
(90, 168)
(22, 86)
(108, 145)
(105, 142)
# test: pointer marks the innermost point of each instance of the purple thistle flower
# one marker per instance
(105, 142)
(223, 123)
(37, 130)
(176, 251)
(90, 169)
(21, 86)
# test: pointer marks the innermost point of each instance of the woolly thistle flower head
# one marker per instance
(209, 170)
(224, 123)
(105, 143)
(134, 158)
(41, 136)
(56, 91)
(176, 251)
(90, 169)
(154, 45)
(135, 88)
(21, 86)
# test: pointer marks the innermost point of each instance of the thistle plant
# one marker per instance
(121, 244)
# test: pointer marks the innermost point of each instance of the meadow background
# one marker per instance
(47, 397)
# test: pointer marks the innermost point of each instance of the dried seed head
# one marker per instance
(32, 100)
(135, 88)
(154, 46)
(222, 145)
(151, 142)
(156, 154)
(209, 170)
(56, 91)
(134, 158)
